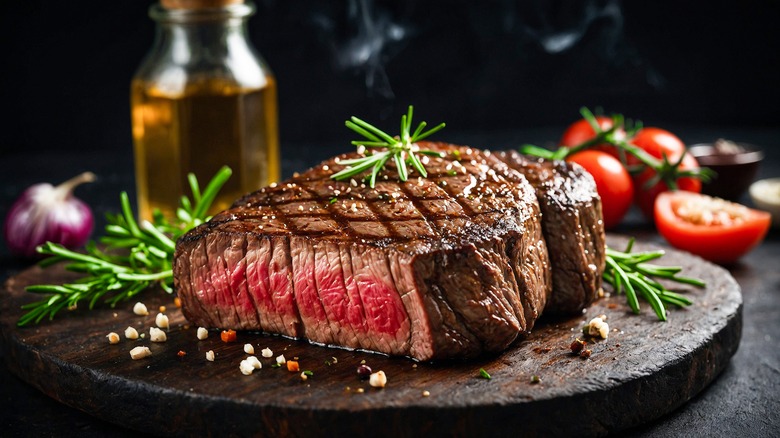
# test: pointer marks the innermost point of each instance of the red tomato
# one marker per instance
(715, 229)
(645, 197)
(612, 182)
(657, 142)
(581, 131)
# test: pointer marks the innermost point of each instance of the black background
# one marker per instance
(479, 66)
(490, 69)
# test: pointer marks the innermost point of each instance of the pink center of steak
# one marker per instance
(450, 265)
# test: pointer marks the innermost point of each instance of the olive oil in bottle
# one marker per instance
(202, 99)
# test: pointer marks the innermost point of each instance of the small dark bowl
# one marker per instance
(736, 167)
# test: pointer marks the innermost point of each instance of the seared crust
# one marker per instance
(452, 265)
(573, 228)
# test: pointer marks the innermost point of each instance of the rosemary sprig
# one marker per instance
(630, 273)
(619, 136)
(401, 149)
(136, 256)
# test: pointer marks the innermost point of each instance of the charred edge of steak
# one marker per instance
(573, 229)
(446, 266)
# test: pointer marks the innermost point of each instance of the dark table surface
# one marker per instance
(743, 401)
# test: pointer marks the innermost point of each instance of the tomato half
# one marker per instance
(581, 131)
(712, 228)
(612, 182)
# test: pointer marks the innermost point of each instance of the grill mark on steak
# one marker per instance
(408, 249)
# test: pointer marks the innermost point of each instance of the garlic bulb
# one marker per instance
(45, 213)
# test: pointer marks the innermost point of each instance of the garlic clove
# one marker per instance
(44, 213)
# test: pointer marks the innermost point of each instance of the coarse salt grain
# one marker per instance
(131, 333)
(157, 335)
(597, 327)
(140, 309)
(249, 349)
(161, 320)
(378, 379)
(202, 333)
(246, 367)
(254, 361)
(267, 352)
(140, 353)
(113, 338)
(210, 355)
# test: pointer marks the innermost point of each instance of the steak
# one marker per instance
(448, 266)
(573, 228)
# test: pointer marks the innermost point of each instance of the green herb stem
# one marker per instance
(630, 273)
(136, 257)
(400, 149)
(665, 171)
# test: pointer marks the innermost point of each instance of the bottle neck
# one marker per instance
(202, 49)
(201, 35)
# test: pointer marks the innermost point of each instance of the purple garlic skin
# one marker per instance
(45, 213)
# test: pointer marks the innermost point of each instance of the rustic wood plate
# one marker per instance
(645, 369)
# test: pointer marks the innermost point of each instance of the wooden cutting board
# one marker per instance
(645, 369)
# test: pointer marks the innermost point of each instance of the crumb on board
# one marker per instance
(140, 309)
(131, 333)
(140, 353)
(161, 320)
(378, 379)
(157, 335)
(113, 338)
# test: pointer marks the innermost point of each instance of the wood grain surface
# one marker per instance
(643, 370)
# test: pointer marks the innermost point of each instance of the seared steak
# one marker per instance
(573, 229)
(447, 266)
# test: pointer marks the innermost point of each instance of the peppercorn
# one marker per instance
(577, 345)
(364, 372)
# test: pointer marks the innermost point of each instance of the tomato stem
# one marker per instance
(664, 170)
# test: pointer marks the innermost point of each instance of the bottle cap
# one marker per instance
(198, 4)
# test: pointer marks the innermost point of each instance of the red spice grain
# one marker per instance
(228, 335)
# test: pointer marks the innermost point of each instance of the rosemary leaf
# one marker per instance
(401, 149)
(136, 257)
(630, 273)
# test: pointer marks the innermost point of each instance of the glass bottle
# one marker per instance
(201, 99)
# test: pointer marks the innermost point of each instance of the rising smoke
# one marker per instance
(366, 35)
